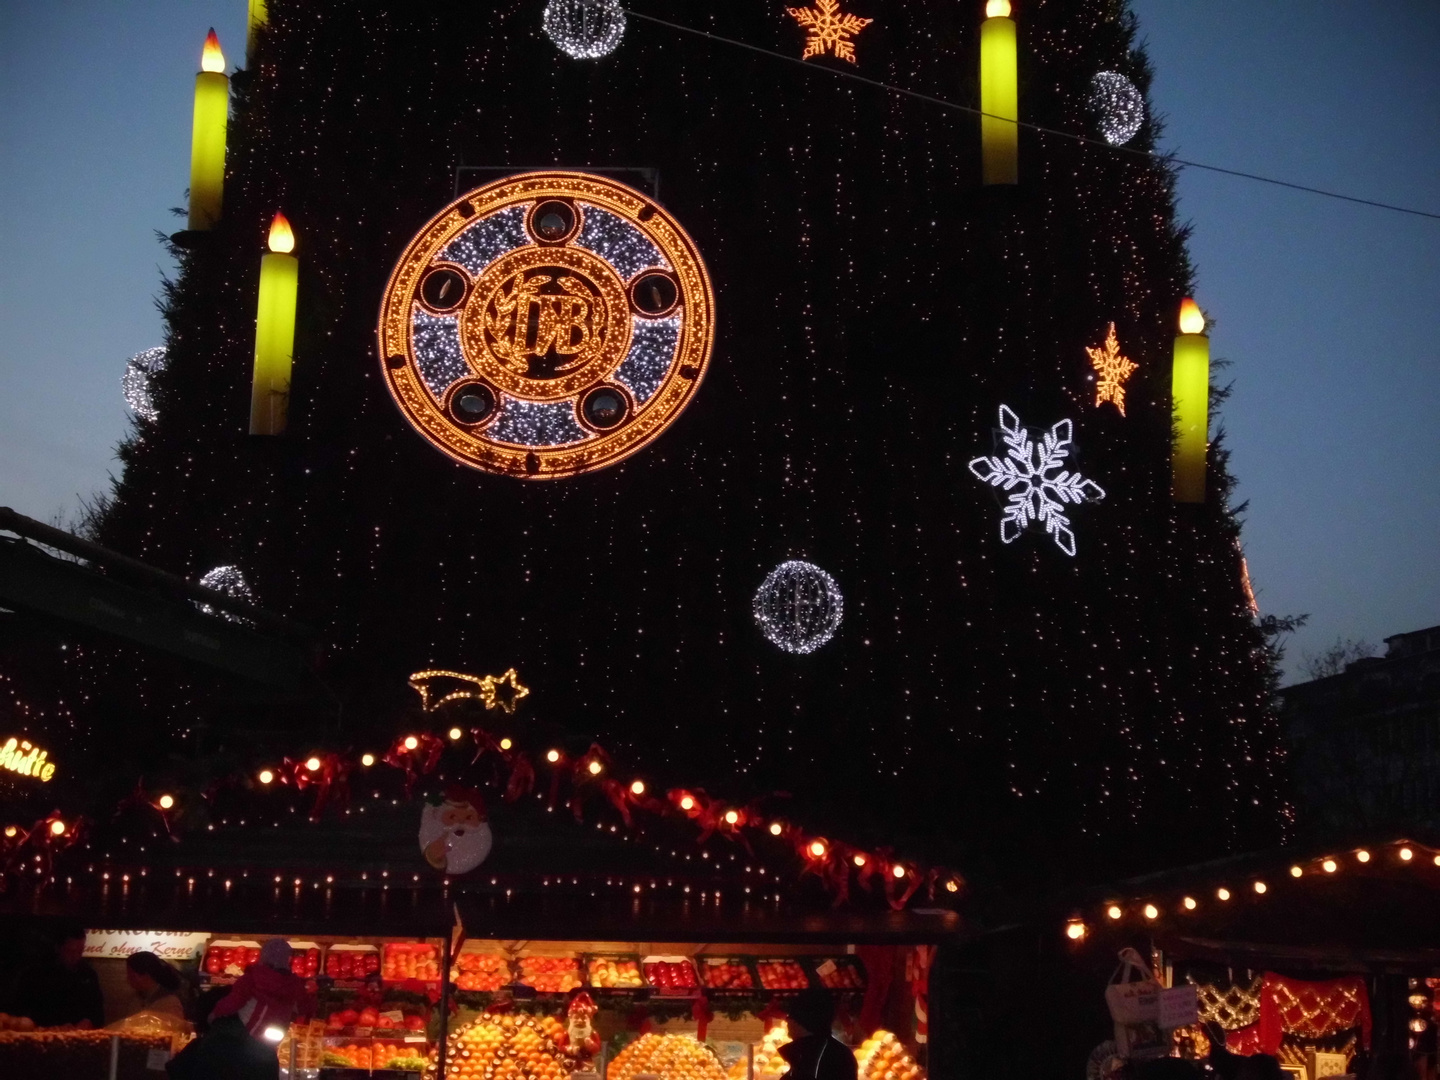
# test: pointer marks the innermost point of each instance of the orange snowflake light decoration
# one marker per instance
(830, 29)
(1113, 369)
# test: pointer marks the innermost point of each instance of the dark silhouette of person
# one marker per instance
(225, 1052)
(813, 1053)
(62, 989)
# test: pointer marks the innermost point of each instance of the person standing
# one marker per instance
(63, 990)
(813, 1053)
(225, 1052)
(156, 984)
(269, 994)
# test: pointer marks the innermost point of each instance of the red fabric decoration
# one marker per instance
(1311, 1010)
(879, 961)
(1245, 1041)
(703, 1014)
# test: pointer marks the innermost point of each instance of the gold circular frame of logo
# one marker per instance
(604, 342)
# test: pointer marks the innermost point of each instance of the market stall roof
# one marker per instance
(247, 906)
(695, 921)
(1370, 907)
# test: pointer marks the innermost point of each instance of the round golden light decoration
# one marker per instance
(546, 325)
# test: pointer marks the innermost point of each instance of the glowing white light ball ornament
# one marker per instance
(230, 581)
(585, 29)
(1118, 106)
(135, 383)
(798, 606)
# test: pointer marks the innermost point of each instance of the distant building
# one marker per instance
(1365, 744)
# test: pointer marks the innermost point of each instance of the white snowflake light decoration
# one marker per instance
(585, 29)
(1118, 106)
(230, 581)
(1039, 488)
(798, 606)
(135, 383)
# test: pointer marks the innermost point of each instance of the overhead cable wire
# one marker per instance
(1148, 155)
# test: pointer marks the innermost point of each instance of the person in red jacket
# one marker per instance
(268, 996)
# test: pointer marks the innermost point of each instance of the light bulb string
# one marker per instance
(929, 99)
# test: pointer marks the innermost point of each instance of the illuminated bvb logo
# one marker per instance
(546, 325)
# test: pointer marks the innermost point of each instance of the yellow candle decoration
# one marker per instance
(999, 96)
(259, 16)
(274, 332)
(207, 137)
(1190, 390)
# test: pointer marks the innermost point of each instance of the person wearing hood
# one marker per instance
(268, 996)
(813, 1053)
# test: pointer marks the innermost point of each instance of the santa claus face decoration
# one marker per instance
(454, 836)
(546, 325)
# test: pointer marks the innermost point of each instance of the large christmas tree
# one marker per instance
(1003, 705)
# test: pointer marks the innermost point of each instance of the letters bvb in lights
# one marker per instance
(18, 756)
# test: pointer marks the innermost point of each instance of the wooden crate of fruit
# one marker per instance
(613, 971)
(728, 976)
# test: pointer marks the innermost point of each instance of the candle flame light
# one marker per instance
(411, 742)
(167, 801)
(266, 776)
(506, 744)
(57, 828)
(1075, 930)
(1192, 320)
(818, 848)
(732, 817)
(211, 58)
(637, 787)
(1114, 911)
(595, 768)
(282, 237)
(1190, 903)
(776, 828)
(367, 760)
(997, 9)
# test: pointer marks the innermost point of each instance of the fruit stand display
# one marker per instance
(766, 1060)
(549, 974)
(484, 972)
(226, 961)
(671, 1057)
(726, 973)
(507, 1046)
(80, 1055)
(405, 961)
(352, 964)
(613, 972)
(838, 972)
(883, 1057)
(671, 975)
(782, 973)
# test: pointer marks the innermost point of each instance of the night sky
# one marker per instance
(1326, 309)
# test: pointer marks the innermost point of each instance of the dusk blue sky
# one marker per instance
(1329, 311)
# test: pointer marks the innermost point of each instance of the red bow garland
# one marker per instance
(522, 777)
(421, 761)
(331, 780)
(140, 800)
(772, 1015)
(580, 776)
